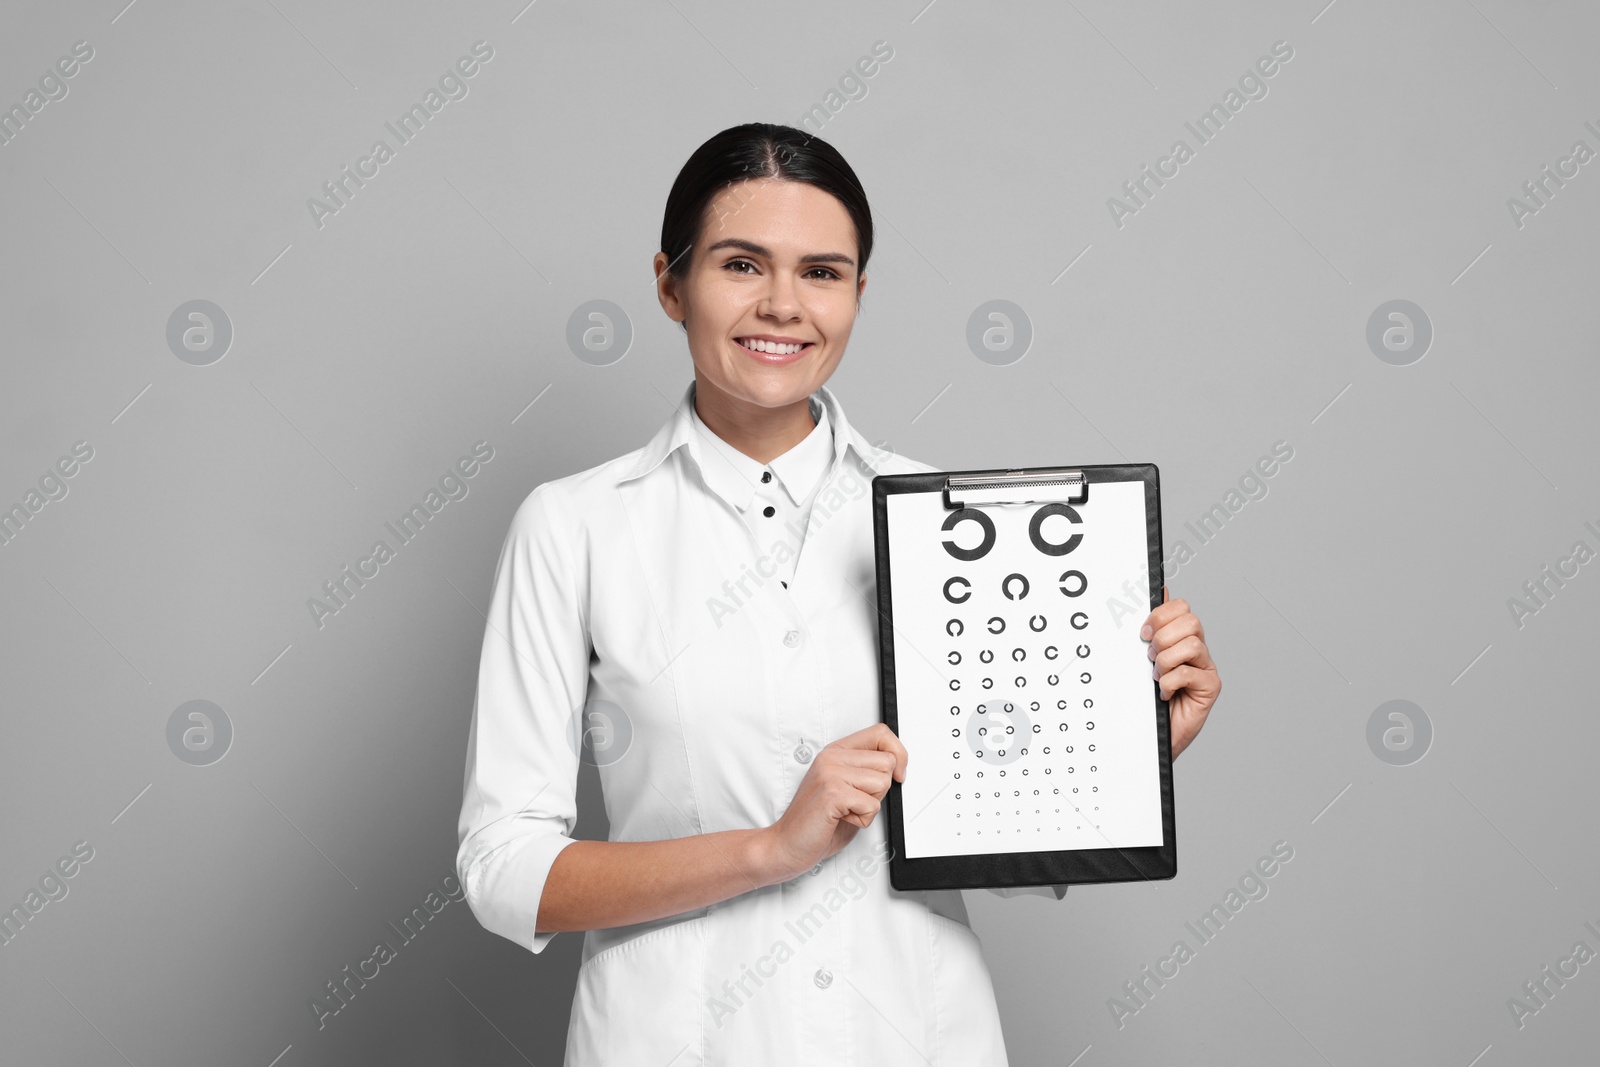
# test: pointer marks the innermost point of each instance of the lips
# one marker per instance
(783, 354)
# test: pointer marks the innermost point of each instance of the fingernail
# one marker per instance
(1145, 633)
(1150, 652)
(1155, 672)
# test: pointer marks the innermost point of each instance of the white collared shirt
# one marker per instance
(632, 601)
(774, 499)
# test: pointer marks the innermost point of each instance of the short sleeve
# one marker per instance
(1057, 891)
(519, 801)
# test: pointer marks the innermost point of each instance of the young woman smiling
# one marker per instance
(741, 912)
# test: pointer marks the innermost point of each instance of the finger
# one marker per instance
(889, 742)
(1163, 615)
(865, 779)
(870, 759)
(880, 738)
(876, 736)
(850, 801)
(863, 738)
(1186, 625)
(1183, 676)
(1189, 650)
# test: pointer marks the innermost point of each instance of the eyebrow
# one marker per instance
(760, 250)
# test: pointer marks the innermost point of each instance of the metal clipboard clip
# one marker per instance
(1039, 486)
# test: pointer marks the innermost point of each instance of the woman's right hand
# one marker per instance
(841, 792)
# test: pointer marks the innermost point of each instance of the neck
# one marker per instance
(762, 433)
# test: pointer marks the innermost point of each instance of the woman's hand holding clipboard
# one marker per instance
(1183, 667)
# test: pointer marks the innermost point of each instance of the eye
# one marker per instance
(826, 271)
(736, 262)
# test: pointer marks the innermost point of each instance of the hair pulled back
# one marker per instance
(758, 150)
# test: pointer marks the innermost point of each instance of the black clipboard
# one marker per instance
(1067, 491)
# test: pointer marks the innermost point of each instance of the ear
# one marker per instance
(667, 289)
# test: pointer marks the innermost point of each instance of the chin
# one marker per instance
(775, 389)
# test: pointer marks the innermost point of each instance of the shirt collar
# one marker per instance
(679, 431)
(735, 475)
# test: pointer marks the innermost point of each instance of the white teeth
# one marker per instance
(769, 347)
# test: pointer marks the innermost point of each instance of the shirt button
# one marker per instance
(817, 869)
(769, 511)
(791, 638)
(802, 753)
(766, 476)
(823, 978)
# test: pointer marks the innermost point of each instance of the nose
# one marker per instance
(782, 298)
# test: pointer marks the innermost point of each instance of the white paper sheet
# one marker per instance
(1082, 787)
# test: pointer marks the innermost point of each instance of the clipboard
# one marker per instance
(1010, 603)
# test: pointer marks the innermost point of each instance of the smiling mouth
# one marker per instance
(771, 349)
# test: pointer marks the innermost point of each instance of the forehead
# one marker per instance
(786, 216)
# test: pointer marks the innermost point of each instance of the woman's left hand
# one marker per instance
(1184, 670)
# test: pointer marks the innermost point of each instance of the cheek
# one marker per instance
(713, 309)
(726, 300)
(835, 316)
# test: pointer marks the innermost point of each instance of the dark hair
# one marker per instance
(758, 150)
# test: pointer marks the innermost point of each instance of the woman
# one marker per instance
(741, 912)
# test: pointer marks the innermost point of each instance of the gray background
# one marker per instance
(368, 354)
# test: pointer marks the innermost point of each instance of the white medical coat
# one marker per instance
(631, 600)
